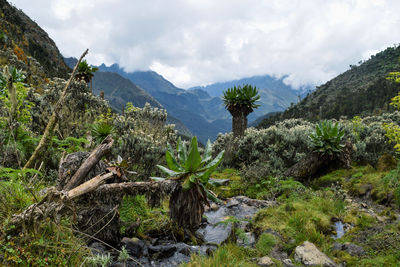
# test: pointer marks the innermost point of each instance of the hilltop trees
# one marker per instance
(240, 102)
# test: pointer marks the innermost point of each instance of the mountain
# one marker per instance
(119, 90)
(275, 94)
(201, 108)
(25, 38)
(182, 104)
(362, 90)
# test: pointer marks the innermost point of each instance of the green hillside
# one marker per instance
(362, 90)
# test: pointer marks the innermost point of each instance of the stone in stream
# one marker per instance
(240, 207)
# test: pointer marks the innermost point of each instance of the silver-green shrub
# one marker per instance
(142, 137)
(276, 147)
(280, 146)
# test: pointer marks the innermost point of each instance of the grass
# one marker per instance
(49, 244)
(226, 255)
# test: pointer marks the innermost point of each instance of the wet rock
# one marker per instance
(135, 247)
(216, 234)
(175, 260)
(232, 202)
(265, 261)
(162, 251)
(309, 255)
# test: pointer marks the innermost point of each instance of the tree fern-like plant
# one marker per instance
(240, 102)
(327, 138)
(85, 72)
(193, 172)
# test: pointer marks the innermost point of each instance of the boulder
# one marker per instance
(309, 255)
(265, 261)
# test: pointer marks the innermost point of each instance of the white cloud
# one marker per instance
(201, 42)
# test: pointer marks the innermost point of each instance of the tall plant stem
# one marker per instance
(42, 146)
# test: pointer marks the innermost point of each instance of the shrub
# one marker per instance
(327, 137)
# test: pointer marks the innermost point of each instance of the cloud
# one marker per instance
(193, 42)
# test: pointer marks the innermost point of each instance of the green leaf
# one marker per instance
(168, 171)
(210, 168)
(171, 162)
(186, 185)
(157, 179)
(207, 152)
(182, 152)
(194, 160)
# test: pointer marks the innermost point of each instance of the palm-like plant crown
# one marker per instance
(85, 72)
(241, 98)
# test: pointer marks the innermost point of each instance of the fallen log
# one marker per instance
(91, 161)
(58, 203)
(315, 164)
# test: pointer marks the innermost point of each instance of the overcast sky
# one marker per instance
(198, 42)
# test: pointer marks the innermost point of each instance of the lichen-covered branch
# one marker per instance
(53, 119)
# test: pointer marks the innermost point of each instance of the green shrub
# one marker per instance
(327, 138)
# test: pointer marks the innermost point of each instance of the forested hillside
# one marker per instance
(26, 38)
(362, 90)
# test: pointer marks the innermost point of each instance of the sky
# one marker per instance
(199, 42)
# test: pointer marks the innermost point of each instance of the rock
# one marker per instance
(214, 207)
(352, 249)
(309, 255)
(249, 240)
(288, 263)
(135, 247)
(162, 251)
(265, 261)
(232, 202)
(97, 248)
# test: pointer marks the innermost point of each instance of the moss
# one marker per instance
(138, 219)
(300, 218)
(235, 186)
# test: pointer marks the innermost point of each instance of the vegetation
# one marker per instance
(193, 171)
(85, 72)
(240, 101)
(364, 199)
(327, 138)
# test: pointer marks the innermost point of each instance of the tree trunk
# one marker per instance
(315, 164)
(187, 207)
(42, 146)
(239, 124)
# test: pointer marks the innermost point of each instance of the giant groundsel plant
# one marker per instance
(193, 172)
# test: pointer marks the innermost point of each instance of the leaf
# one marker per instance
(182, 153)
(193, 161)
(157, 179)
(171, 162)
(186, 185)
(210, 168)
(208, 152)
(168, 171)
